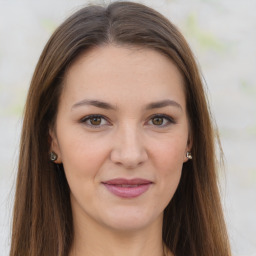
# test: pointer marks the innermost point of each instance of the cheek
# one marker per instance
(82, 154)
(82, 158)
(168, 161)
(170, 153)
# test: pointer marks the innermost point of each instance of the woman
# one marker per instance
(117, 148)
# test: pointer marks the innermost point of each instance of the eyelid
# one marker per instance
(170, 120)
(88, 117)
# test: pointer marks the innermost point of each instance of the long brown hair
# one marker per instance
(42, 222)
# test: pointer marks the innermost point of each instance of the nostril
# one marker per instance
(128, 148)
(128, 159)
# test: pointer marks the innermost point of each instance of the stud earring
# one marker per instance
(188, 155)
(53, 156)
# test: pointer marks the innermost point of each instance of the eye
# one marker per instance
(158, 120)
(95, 121)
(161, 120)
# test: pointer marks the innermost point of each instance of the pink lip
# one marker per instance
(127, 188)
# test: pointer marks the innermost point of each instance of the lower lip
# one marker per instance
(128, 192)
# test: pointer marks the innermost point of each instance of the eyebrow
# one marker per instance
(163, 103)
(95, 103)
(105, 105)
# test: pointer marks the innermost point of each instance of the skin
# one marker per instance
(124, 142)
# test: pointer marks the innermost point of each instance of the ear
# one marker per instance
(54, 145)
(188, 148)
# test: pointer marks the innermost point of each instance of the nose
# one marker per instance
(128, 148)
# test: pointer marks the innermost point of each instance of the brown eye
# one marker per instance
(95, 120)
(161, 120)
(157, 120)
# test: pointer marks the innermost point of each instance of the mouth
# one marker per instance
(126, 188)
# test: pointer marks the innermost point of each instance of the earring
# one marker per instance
(53, 156)
(188, 155)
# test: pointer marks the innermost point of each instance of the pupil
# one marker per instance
(157, 120)
(95, 120)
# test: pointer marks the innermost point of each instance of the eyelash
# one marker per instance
(87, 118)
(169, 119)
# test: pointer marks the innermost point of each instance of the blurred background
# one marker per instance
(222, 35)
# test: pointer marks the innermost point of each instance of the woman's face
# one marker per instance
(122, 136)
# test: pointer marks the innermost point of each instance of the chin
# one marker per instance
(128, 220)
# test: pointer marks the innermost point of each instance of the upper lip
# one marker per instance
(123, 181)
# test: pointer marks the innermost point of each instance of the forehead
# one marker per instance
(122, 73)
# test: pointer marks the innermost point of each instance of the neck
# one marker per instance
(93, 239)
